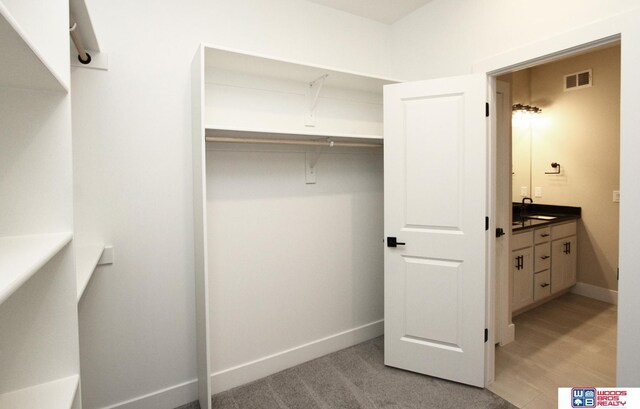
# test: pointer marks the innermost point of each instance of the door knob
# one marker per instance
(500, 232)
(393, 242)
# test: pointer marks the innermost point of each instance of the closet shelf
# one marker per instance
(22, 65)
(58, 394)
(87, 257)
(22, 256)
(229, 132)
(229, 60)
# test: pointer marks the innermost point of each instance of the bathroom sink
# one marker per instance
(541, 217)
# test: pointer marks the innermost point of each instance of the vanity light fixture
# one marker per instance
(525, 109)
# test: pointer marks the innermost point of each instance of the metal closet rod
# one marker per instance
(327, 142)
(83, 55)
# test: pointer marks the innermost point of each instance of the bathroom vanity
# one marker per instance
(544, 253)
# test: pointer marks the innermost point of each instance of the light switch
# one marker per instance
(524, 191)
(616, 196)
(538, 191)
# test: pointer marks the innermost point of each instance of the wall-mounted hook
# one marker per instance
(556, 166)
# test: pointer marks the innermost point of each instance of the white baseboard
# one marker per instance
(508, 335)
(597, 293)
(168, 398)
(251, 371)
(178, 395)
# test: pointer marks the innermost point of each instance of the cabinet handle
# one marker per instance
(545, 235)
(569, 246)
(544, 257)
(543, 285)
(519, 262)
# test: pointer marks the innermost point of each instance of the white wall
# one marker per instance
(132, 155)
(291, 263)
(446, 38)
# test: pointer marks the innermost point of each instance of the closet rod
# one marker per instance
(328, 142)
(83, 56)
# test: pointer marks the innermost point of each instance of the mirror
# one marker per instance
(521, 159)
(521, 132)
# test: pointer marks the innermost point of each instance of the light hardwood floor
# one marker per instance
(570, 341)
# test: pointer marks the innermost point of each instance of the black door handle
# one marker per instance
(393, 242)
(500, 232)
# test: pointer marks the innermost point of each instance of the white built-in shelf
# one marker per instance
(256, 96)
(234, 61)
(311, 134)
(22, 65)
(87, 257)
(58, 394)
(22, 256)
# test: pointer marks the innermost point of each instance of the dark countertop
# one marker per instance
(521, 221)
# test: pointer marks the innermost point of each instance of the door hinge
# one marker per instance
(486, 334)
(487, 109)
(486, 223)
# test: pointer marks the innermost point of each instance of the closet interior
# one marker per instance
(288, 213)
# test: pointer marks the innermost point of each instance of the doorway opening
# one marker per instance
(557, 188)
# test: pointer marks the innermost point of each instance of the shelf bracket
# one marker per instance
(311, 160)
(315, 87)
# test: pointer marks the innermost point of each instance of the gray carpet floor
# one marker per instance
(354, 378)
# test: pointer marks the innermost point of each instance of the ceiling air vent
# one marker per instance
(578, 80)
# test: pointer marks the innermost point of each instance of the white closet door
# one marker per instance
(435, 159)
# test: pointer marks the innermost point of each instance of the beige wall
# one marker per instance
(580, 129)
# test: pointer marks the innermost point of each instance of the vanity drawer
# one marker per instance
(541, 235)
(521, 240)
(542, 254)
(563, 230)
(541, 285)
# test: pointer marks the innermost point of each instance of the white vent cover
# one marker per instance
(578, 80)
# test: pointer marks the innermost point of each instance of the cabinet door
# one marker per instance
(522, 278)
(563, 263)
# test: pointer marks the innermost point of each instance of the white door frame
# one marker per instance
(616, 28)
(505, 330)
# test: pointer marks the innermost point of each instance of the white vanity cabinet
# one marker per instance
(543, 262)
(522, 270)
(564, 251)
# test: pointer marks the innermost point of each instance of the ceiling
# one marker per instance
(384, 11)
